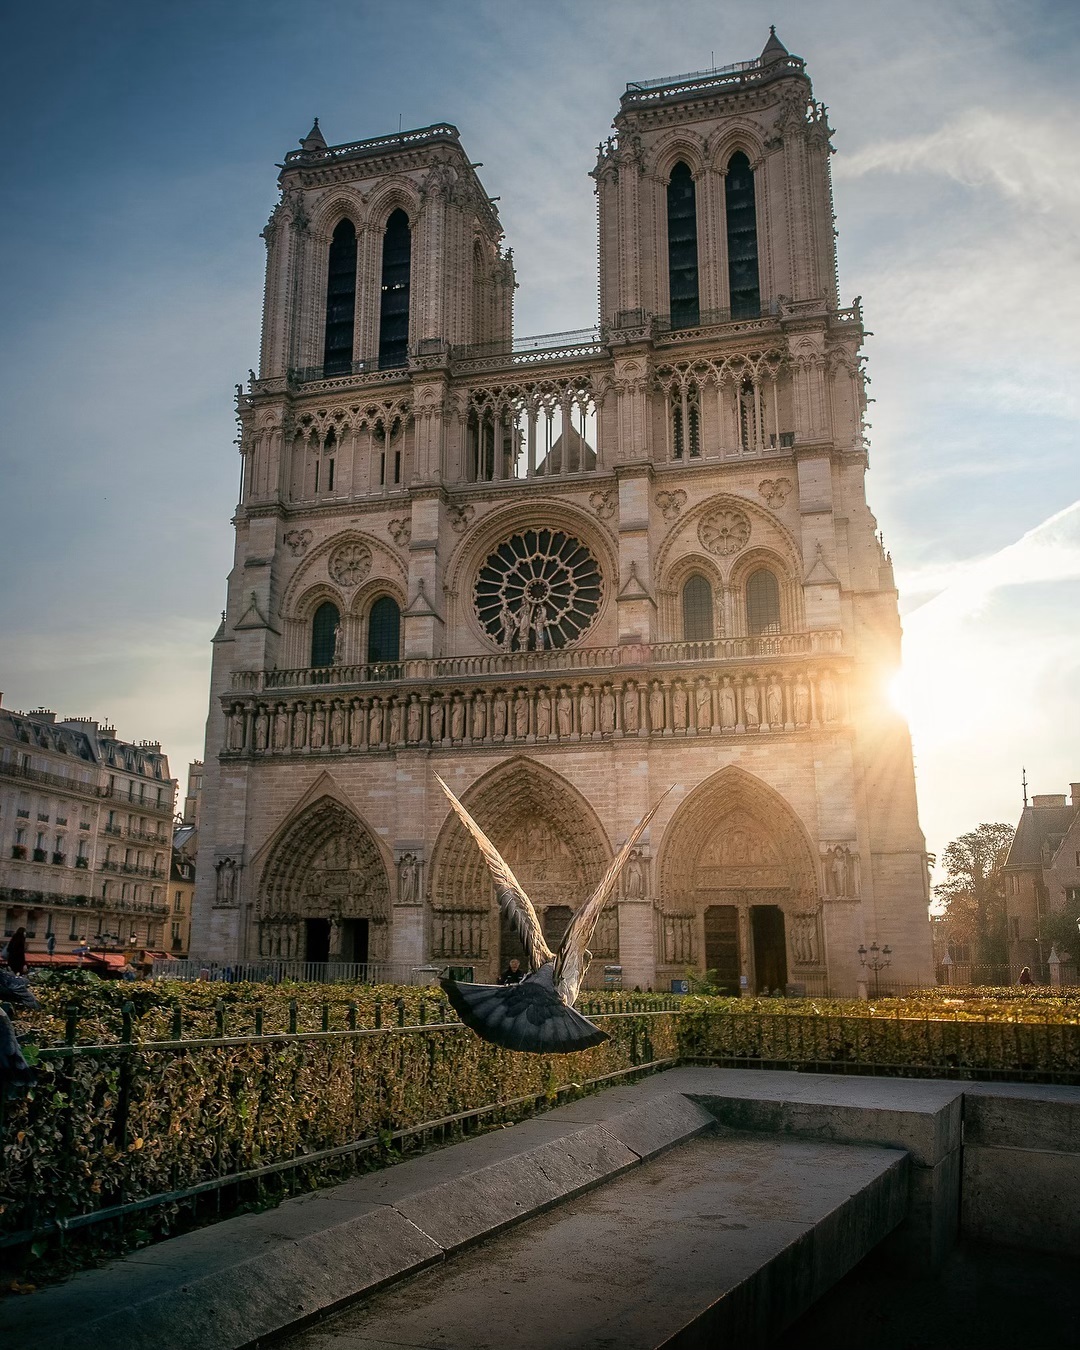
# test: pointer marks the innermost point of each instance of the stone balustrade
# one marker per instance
(767, 699)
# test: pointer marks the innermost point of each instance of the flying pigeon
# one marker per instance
(536, 1015)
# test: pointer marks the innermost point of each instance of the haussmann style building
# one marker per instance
(565, 573)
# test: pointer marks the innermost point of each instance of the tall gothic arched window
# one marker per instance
(743, 283)
(762, 603)
(697, 609)
(682, 247)
(394, 305)
(340, 300)
(384, 631)
(324, 631)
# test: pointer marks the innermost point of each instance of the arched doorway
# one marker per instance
(737, 878)
(324, 894)
(556, 846)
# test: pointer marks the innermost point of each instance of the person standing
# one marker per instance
(16, 952)
(513, 974)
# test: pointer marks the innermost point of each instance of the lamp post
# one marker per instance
(876, 959)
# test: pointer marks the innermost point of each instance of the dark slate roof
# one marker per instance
(39, 734)
(1038, 835)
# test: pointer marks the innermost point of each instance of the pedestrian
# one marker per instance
(16, 952)
(513, 974)
(1025, 976)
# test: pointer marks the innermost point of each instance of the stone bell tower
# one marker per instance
(564, 573)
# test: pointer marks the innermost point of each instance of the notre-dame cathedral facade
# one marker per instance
(564, 573)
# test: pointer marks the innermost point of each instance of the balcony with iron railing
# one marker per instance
(591, 660)
(56, 780)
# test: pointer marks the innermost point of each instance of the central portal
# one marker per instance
(317, 940)
(722, 946)
(770, 948)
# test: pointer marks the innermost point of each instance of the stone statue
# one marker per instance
(587, 718)
(657, 719)
(500, 714)
(802, 703)
(838, 868)
(395, 721)
(703, 705)
(506, 626)
(356, 723)
(318, 727)
(236, 729)
(436, 719)
(457, 719)
(539, 627)
(680, 706)
(281, 728)
(565, 714)
(729, 712)
(607, 710)
(524, 622)
(375, 722)
(412, 724)
(630, 709)
(827, 698)
(521, 715)
(479, 717)
(337, 725)
(751, 704)
(226, 882)
(774, 704)
(543, 714)
(262, 728)
(409, 880)
(339, 645)
(299, 727)
(635, 876)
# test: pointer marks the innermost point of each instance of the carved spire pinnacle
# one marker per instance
(774, 49)
(314, 140)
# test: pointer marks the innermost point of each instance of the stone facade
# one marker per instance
(565, 573)
(87, 823)
(1042, 878)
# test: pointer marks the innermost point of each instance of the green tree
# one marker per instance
(1059, 929)
(973, 892)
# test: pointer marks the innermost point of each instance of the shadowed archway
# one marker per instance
(324, 893)
(553, 841)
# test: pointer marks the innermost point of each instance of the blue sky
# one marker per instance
(141, 149)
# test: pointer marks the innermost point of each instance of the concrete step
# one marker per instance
(724, 1240)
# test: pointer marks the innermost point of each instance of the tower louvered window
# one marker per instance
(384, 631)
(682, 247)
(324, 631)
(394, 310)
(340, 300)
(742, 238)
(697, 604)
(762, 604)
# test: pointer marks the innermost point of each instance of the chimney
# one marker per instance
(1074, 789)
(43, 715)
(1049, 799)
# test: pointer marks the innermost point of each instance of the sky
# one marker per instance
(142, 142)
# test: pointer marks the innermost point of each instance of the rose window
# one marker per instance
(724, 532)
(539, 589)
(350, 563)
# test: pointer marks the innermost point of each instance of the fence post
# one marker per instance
(401, 1012)
(71, 1023)
(378, 1013)
(177, 1031)
(219, 1018)
(352, 1016)
(258, 1019)
(325, 1016)
(293, 1013)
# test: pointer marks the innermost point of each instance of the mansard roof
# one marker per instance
(1039, 834)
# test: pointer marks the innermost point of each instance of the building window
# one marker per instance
(697, 608)
(384, 631)
(682, 247)
(742, 246)
(685, 425)
(1014, 929)
(762, 604)
(394, 308)
(175, 933)
(178, 902)
(324, 628)
(340, 300)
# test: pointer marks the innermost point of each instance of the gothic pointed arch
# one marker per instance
(734, 834)
(552, 839)
(323, 866)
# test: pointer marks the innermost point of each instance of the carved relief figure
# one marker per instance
(607, 710)
(630, 709)
(409, 880)
(565, 713)
(728, 708)
(656, 706)
(225, 893)
(587, 719)
(804, 939)
(635, 876)
(680, 706)
(774, 704)
(543, 714)
(703, 705)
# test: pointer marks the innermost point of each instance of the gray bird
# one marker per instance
(537, 1014)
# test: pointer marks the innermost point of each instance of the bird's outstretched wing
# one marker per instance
(570, 964)
(511, 897)
(529, 1016)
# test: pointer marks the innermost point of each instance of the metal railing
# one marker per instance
(56, 780)
(299, 972)
(633, 654)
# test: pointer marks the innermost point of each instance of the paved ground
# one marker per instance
(750, 1222)
(983, 1298)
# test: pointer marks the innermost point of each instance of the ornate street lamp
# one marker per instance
(876, 959)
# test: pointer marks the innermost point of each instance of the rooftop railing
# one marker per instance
(376, 145)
